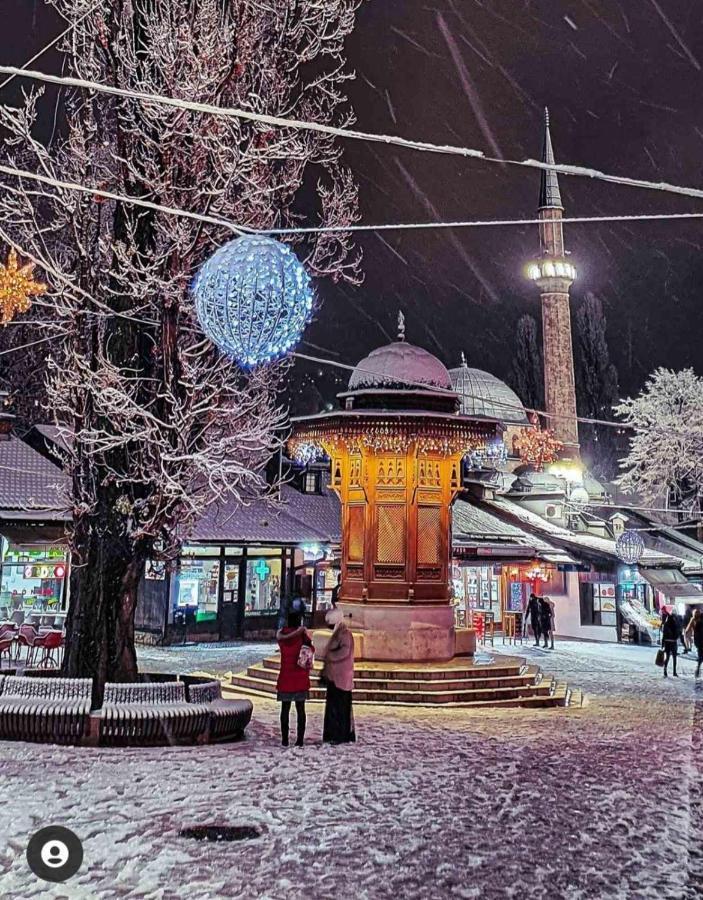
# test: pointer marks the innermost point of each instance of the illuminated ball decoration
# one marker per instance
(253, 299)
(630, 547)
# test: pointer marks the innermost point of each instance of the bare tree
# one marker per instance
(160, 423)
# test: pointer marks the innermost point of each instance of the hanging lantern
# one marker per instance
(630, 547)
(253, 299)
(17, 287)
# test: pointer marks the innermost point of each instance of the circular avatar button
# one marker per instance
(54, 853)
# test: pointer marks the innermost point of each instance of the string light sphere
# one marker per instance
(17, 287)
(630, 547)
(253, 299)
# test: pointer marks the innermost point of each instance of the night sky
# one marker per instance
(623, 80)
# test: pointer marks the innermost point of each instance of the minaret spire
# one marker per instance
(554, 274)
(549, 193)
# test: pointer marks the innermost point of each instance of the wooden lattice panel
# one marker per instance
(429, 537)
(355, 534)
(390, 542)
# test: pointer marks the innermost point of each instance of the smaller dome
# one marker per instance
(482, 394)
(400, 366)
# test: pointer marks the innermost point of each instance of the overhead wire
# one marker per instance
(348, 133)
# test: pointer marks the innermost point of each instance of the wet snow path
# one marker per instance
(588, 803)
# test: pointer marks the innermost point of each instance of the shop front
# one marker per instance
(33, 584)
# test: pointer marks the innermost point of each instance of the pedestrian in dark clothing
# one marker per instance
(293, 683)
(685, 638)
(671, 633)
(695, 630)
(532, 611)
(546, 620)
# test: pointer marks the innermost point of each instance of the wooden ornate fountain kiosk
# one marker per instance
(396, 447)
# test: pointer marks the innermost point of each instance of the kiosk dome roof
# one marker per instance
(400, 366)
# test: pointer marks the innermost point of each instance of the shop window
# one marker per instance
(33, 585)
(311, 483)
(197, 590)
(263, 587)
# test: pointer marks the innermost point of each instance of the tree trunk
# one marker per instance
(100, 624)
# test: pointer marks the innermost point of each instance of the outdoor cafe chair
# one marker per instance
(27, 637)
(50, 643)
(6, 643)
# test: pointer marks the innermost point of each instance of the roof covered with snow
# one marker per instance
(297, 519)
(483, 394)
(399, 365)
(572, 539)
(30, 485)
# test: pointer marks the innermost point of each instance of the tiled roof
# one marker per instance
(299, 518)
(29, 482)
(474, 525)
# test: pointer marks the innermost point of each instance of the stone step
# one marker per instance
(543, 700)
(378, 672)
(364, 680)
(467, 693)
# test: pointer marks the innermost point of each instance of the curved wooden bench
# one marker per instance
(228, 718)
(152, 713)
(47, 710)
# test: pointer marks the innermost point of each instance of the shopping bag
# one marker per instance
(659, 660)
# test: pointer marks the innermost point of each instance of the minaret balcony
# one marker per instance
(547, 269)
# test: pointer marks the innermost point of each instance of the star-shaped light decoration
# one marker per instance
(537, 447)
(17, 286)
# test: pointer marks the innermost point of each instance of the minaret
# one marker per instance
(553, 275)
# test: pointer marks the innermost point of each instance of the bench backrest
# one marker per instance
(151, 692)
(47, 688)
(206, 692)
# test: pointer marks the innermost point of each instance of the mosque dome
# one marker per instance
(482, 394)
(400, 366)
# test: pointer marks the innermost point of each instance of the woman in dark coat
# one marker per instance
(546, 620)
(532, 612)
(671, 632)
(695, 629)
(293, 683)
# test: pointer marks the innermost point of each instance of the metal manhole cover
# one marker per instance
(220, 832)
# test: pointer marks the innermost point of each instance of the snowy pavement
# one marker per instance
(603, 801)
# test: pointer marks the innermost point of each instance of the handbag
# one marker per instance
(306, 657)
(659, 659)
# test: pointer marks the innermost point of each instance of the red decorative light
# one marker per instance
(59, 571)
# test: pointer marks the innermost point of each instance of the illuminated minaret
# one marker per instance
(553, 274)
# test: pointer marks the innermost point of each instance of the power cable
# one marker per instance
(348, 133)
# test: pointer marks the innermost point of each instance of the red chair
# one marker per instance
(49, 643)
(27, 637)
(8, 629)
(6, 643)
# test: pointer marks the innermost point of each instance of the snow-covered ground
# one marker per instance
(605, 801)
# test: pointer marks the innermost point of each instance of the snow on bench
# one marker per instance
(150, 713)
(50, 710)
(228, 718)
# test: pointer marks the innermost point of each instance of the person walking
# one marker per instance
(685, 634)
(532, 611)
(338, 676)
(694, 632)
(671, 632)
(546, 620)
(293, 685)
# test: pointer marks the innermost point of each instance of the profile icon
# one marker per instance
(54, 853)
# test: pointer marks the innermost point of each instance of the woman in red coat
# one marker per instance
(293, 683)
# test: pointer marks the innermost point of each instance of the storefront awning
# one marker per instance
(673, 584)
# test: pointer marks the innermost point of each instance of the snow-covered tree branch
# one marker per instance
(157, 422)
